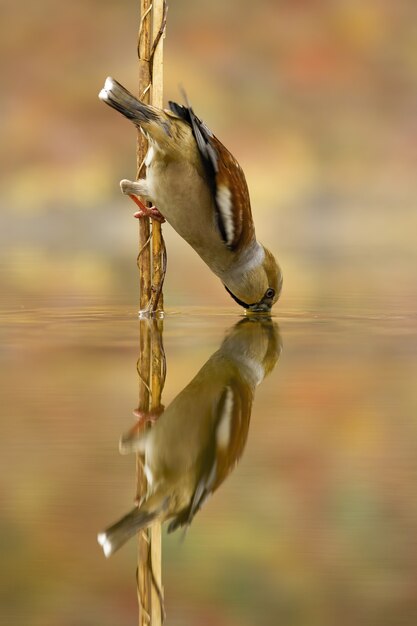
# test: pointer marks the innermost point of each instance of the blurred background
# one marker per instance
(317, 100)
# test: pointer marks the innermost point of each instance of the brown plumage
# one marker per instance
(200, 189)
(197, 441)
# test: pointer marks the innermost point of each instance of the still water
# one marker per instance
(304, 429)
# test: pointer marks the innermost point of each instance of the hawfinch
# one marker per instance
(200, 189)
(196, 442)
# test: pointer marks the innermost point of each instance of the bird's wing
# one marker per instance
(226, 179)
(223, 448)
(203, 489)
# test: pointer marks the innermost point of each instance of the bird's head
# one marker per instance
(256, 286)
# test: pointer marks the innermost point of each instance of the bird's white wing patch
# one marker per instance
(223, 431)
(224, 203)
(149, 156)
(149, 475)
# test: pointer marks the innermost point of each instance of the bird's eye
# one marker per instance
(270, 293)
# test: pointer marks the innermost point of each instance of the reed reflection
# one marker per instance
(195, 443)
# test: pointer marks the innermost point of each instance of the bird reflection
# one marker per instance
(197, 440)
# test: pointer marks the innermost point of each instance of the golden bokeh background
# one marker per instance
(316, 98)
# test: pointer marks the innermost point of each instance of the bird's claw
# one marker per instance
(144, 211)
(130, 441)
(151, 416)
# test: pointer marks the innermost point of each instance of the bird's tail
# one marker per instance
(116, 535)
(119, 98)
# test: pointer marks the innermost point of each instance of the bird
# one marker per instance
(199, 188)
(196, 442)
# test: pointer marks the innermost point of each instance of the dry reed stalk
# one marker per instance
(144, 583)
(144, 52)
(158, 274)
(158, 371)
(151, 265)
(151, 367)
(159, 13)
(152, 252)
(144, 266)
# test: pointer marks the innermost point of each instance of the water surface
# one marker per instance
(315, 525)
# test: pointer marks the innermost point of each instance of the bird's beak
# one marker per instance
(259, 307)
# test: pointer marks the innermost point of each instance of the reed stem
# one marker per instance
(151, 264)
